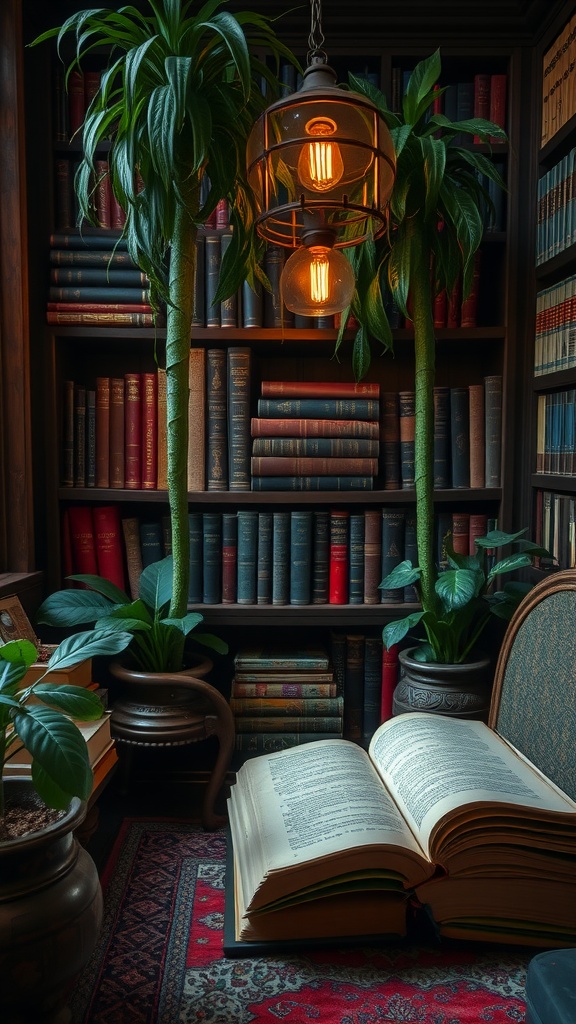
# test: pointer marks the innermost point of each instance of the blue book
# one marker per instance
(195, 533)
(460, 436)
(212, 557)
(229, 557)
(372, 687)
(312, 483)
(280, 557)
(264, 559)
(300, 557)
(356, 569)
(393, 529)
(319, 408)
(151, 542)
(320, 557)
(247, 550)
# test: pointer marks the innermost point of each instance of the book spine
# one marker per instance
(212, 276)
(390, 441)
(247, 554)
(76, 104)
(135, 296)
(290, 723)
(108, 539)
(90, 241)
(338, 659)
(356, 559)
(319, 408)
(273, 265)
(354, 688)
(264, 690)
(228, 306)
(372, 555)
(131, 533)
(133, 431)
(151, 545)
(478, 527)
(312, 483)
(162, 448)
(79, 435)
(264, 559)
(116, 432)
(199, 311)
(102, 432)
(498, 89)
(389, 681)
(82, 540)
(477, 441)
(481, 98)
(212, 557)
(63, 194)
(197, 401)
(104, 308)
(339, 556)
(284, 706)
(101, 319)
(469, 308)
(216, 426)
(407, 411)
(149, 455)
(196, 538)
(318, 389)
(271, 465)
(91, 437)
(317, 427)
(320, 557)
(300, 557)
(67, 476)
(280, 558)
(460, 436)
(493, 429)
(103, 261)
(252, 305)
(102, 194)
(290, 661)
(393, 529)
(442, 469)
(372, 688)
(461, 532)
(326, 447)
(239, 375)
(229, 557)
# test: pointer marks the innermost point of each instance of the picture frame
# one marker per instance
(14, 623)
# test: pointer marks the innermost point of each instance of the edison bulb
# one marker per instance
(320, 164)
(317, 281)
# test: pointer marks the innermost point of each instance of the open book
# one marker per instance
(329, 840)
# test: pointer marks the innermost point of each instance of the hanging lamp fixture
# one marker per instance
(321, 164)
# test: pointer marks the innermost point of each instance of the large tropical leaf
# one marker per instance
(58, 749)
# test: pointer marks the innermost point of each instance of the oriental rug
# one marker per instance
(160, 960)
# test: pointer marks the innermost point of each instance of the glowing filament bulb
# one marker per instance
(317, 281)
(320, 165)
(319, 275)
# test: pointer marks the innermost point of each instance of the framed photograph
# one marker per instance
(14, 623)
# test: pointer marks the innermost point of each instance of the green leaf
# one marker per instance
(71, 607)
(19, 650)
(75, 701)
(497, 538)
(215, 643)
(456, 587)
(155, 587)
(394, 632)
(509, 564)
(58, 747)
(402, 575)
(91, 644)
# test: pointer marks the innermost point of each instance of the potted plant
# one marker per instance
(437, 211)
(176, 104)
(50, 895)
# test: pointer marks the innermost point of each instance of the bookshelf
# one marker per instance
(465, 355)
(552, 468)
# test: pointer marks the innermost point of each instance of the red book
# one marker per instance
(389, 680)
(91, 86)
(318, 389)
(481, 98)
(117, 214)
(117, 432)
(149, 431)
(222, 216)
(437, 104)
(82, 539)
(102, 431)
(454, 305)
(440, 312)
(67, 556)
(338, 566)
(461, 532)
(478, 528)
(498, 99)
(76, 101)
(264, 427)
(133, 431)
(108, 538)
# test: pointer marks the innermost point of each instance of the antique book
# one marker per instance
(393, 531)
(133, 431)
(372, 706)
(319, 408)
(320, 556)
(390, 441)
(280, 558)
(108, 538)
(312, 483)
(318, 389)
(266, 689)
(162, 448)
(451, 814)
(477, 436)
(493, 416)
(264, 558)
(212, 557)
(131, 532)
(372, 555)
(67, 475)
(116, 457)
(339, 556)
(102, 431)
(199, 313)
(285, 705)
(353, 687)
(151, 541)
(280, 659)
(247, 556)
(90, 437)
(238, 412)
(356, 559)
(262, 426)
(272, 465)
(301, 523)
(295, 447)
(196, 538)
(91, 319)
(149, 431)
(216, 421)
(229, 557)
(79, 435)
(96, 734)
(442, 461)
(82, 539)
(197, 420)
(407, 413)
(460, 436)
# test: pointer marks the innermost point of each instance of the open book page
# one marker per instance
(435, 766)
(295, 811)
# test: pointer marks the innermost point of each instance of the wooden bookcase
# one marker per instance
(464, 356)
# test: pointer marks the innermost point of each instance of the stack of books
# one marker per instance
(315, 436)
(282, 698)
(93, 280)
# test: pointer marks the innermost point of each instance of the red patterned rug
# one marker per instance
(160, 957)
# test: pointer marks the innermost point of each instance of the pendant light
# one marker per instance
(321, 165)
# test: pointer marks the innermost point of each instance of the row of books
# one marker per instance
(268, 558)
(284, 698)
(558, 72)
(482, 95)
(556, 433)
(114, 434)
(106, 208)
(72, 98)
(555, 329)
(556, 528)
(90, 283)
(556, 213)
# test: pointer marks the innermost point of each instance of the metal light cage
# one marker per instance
(352, 207)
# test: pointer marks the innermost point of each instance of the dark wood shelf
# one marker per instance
(554, 482)
(235, 498)
(334, 615)
(552, 381)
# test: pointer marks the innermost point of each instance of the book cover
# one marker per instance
(272, 465)
(149, 456)
(372, 555)
(356, 559)
(229, 306)
(67, 475)
(319, 408)
(389, 680)
(212, 277)
(390, 441)
(460, 436)
(212, 557)
(162, 447)
(477, 438)
(318, 389)
(354, 688)
(286, 706)
(301, 522)
(393, 529)
(102, 431)
(316, 427)
(131, 533)
(280, 558)
(199, 313)
(493, 428)
(196, 538)
(312, 483)
(82, 539)
(247, 556)
(265, 689)
(407, 412)
(197, 456)
(94, 319)
(281, 658)
(372, 687)
(442, 444)
(320, 556)
(323, 447)
(229, 557)
(151, 541)
(252, 305)
(116, 432)
(79, 435)
(91, 437)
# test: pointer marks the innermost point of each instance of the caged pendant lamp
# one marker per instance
(321, 165)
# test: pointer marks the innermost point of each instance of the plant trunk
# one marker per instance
(179, 320)
(424, 375)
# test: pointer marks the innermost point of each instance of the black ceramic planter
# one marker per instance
(460, 691)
